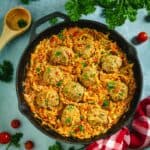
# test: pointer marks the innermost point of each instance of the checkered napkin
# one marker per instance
(136, 138)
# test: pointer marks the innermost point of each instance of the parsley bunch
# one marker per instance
(115, 11)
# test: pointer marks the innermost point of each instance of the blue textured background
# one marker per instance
(13, 51)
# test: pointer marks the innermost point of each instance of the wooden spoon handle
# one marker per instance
(6, 36)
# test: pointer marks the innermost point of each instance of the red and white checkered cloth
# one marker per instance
(136, 138)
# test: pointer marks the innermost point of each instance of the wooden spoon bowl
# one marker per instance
(16, 21)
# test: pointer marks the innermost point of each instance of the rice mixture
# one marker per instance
(79, 82)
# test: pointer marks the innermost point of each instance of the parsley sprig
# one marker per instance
(6, 71)
(15, 139)
(58, 146)
(115, 11)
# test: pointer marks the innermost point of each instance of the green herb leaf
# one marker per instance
(81, 128)
(60, 35)
(116, 12)
(59, 83)
(84, 64)
(48, 70)
(38, 70)
(70, 107)
(88, 46)
(85, 76)
(71, 148)
(58, 53)
(25, 1)
(56, 146)
(68, 121)
(15, 139)
(111, 85)
(107, 3)
(75, 8)
(22, 23)
(105, 103)
(6, 71)
(53, 21)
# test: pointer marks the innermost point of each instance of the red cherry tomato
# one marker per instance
(15, 123)
(29, 145)
(142, 37)
(5, 137)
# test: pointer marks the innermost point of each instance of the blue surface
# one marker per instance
(13, 51)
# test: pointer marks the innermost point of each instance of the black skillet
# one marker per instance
(34, 40)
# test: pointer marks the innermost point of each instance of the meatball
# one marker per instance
(47, 98)
(73, 91)
(52, 75)
(84, 46)
(61, 55)
(111, 63)
(70, 115)
(97, 116)
(117, 90)
(89, 76)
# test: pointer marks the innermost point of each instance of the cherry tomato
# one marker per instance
(142, 37)
(29, 145)
(5, 137)
(15, 123)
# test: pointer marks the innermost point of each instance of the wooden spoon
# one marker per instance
(16, 21)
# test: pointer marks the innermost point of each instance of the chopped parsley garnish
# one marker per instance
(111, 85)
(66, 90)
(46, 102)
(59, 83)
(22, 23)
(38, 70)
(48, 70)
(58, 53)
(53, 21)
(68, 121)
(121, 93)
(88, 46)
(79, 94)
(81, 128)
(81, 117)
(6, 71)
(60, 35)
(70, 107)
(85, 76)
(105, 103)
(92, 75)
(84, 64)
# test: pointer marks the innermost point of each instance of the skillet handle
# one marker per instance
(45, 19)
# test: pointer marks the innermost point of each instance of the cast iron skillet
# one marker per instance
(34, 40)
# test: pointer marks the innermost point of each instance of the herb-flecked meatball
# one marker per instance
(89, 76)
(117, 90)
(111, 63)
(61, 55)
(84, 46)
(97, 116)
(73, 91)
(47, 98)
(52, 75)
(70, 115)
